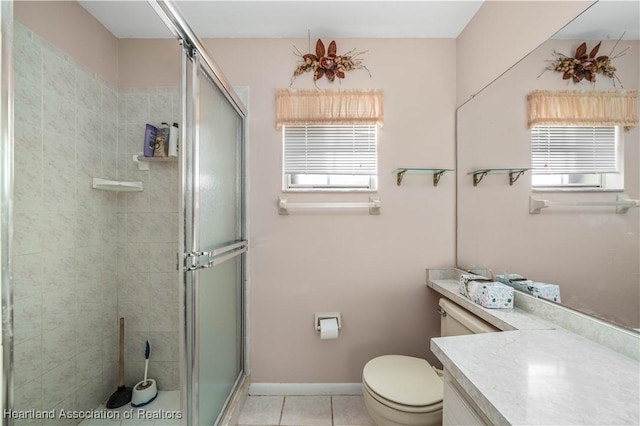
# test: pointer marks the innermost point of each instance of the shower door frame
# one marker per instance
(6, 203)
(195, 52)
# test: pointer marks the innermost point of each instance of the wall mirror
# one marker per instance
(591, 252)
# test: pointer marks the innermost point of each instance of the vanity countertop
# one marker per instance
(504, 319)
(537, 372)
(543, 377)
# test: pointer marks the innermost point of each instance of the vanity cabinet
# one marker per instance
(458, 407)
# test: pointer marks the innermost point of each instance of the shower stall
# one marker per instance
(162, 244)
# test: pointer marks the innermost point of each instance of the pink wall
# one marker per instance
(148, 63)
(501, 33)
(592, 253)
(71, 28)
(370, 268)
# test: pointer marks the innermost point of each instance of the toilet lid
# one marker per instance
(404, 380)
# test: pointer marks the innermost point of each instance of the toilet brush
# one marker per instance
(145, 391)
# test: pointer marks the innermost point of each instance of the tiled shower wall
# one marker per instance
(64, 251)
(148, 241)
(84, 257)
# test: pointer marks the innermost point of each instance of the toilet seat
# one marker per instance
(403, 383)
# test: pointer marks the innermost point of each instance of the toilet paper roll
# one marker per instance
(328, 328)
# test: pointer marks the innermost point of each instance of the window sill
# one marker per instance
(592, 190)
(330, 190)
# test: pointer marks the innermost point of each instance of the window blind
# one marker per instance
(330, 150)
(573, 149)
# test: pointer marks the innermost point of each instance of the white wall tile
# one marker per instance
(28, 110)
(58, 346)
(27, 319)
(28, 396)
(27, 358)
(27, 276)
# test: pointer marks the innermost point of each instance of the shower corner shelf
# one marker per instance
(143, 162)
(513, 172)
(116, 185)
(436, 172)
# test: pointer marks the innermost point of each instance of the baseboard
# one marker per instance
(305, 389)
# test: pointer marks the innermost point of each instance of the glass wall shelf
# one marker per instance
(514, 174)
(437, 173)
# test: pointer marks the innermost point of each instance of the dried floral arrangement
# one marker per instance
(328, 63)
(585, 66)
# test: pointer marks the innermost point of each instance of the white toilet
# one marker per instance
(406, 391)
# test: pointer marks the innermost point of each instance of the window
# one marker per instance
(330, 157)
(577, 157)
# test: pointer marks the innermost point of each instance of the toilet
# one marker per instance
(402, 390)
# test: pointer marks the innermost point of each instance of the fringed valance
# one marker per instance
(578, 108)
(303, 107)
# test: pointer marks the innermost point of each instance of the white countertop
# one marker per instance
(504, 319)
(538, 373)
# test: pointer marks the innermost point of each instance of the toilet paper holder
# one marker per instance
(326, 315)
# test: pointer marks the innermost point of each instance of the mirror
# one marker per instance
(592, 253)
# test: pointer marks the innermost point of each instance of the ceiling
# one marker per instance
(605, 20)
(291, 19)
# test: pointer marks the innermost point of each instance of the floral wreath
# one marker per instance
(330, 64)
(585, 67)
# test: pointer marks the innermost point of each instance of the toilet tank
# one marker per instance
(456, 321)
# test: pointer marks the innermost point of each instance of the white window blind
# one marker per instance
(330, 150)
(573, 149)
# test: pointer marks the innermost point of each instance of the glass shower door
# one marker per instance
(215, 272)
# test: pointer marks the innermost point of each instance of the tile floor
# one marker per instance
(166, 404)
(329, 410)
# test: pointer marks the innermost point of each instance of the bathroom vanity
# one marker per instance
(550, 365)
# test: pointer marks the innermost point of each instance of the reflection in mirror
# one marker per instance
(591, 252)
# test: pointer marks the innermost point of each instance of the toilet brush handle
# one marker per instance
(146, 367)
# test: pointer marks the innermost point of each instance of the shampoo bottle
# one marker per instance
(162, 141)
(173, 140)
(149, 140)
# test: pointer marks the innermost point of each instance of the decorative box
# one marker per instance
(541, 290)
(545, 291)
(464, 279)
(490, 294)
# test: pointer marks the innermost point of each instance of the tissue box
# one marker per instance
(545, 291)
(490, 294)
(464, 279)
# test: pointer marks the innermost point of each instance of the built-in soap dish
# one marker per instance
(116, 185)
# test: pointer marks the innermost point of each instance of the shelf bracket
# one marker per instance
(141, 165)
(514, 175)
(437, 176)
(399, 177)
(477, 177)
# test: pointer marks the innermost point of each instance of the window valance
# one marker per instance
(578, 108)
(309, 107)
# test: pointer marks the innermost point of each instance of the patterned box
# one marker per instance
(464, 279)
(541, 290)
(490, 294)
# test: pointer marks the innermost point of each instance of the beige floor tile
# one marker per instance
(306, 411)
(349, 410)
(261, 410)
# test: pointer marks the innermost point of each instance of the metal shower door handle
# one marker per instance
(214, 257)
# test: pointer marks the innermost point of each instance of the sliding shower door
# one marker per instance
(214, 268)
